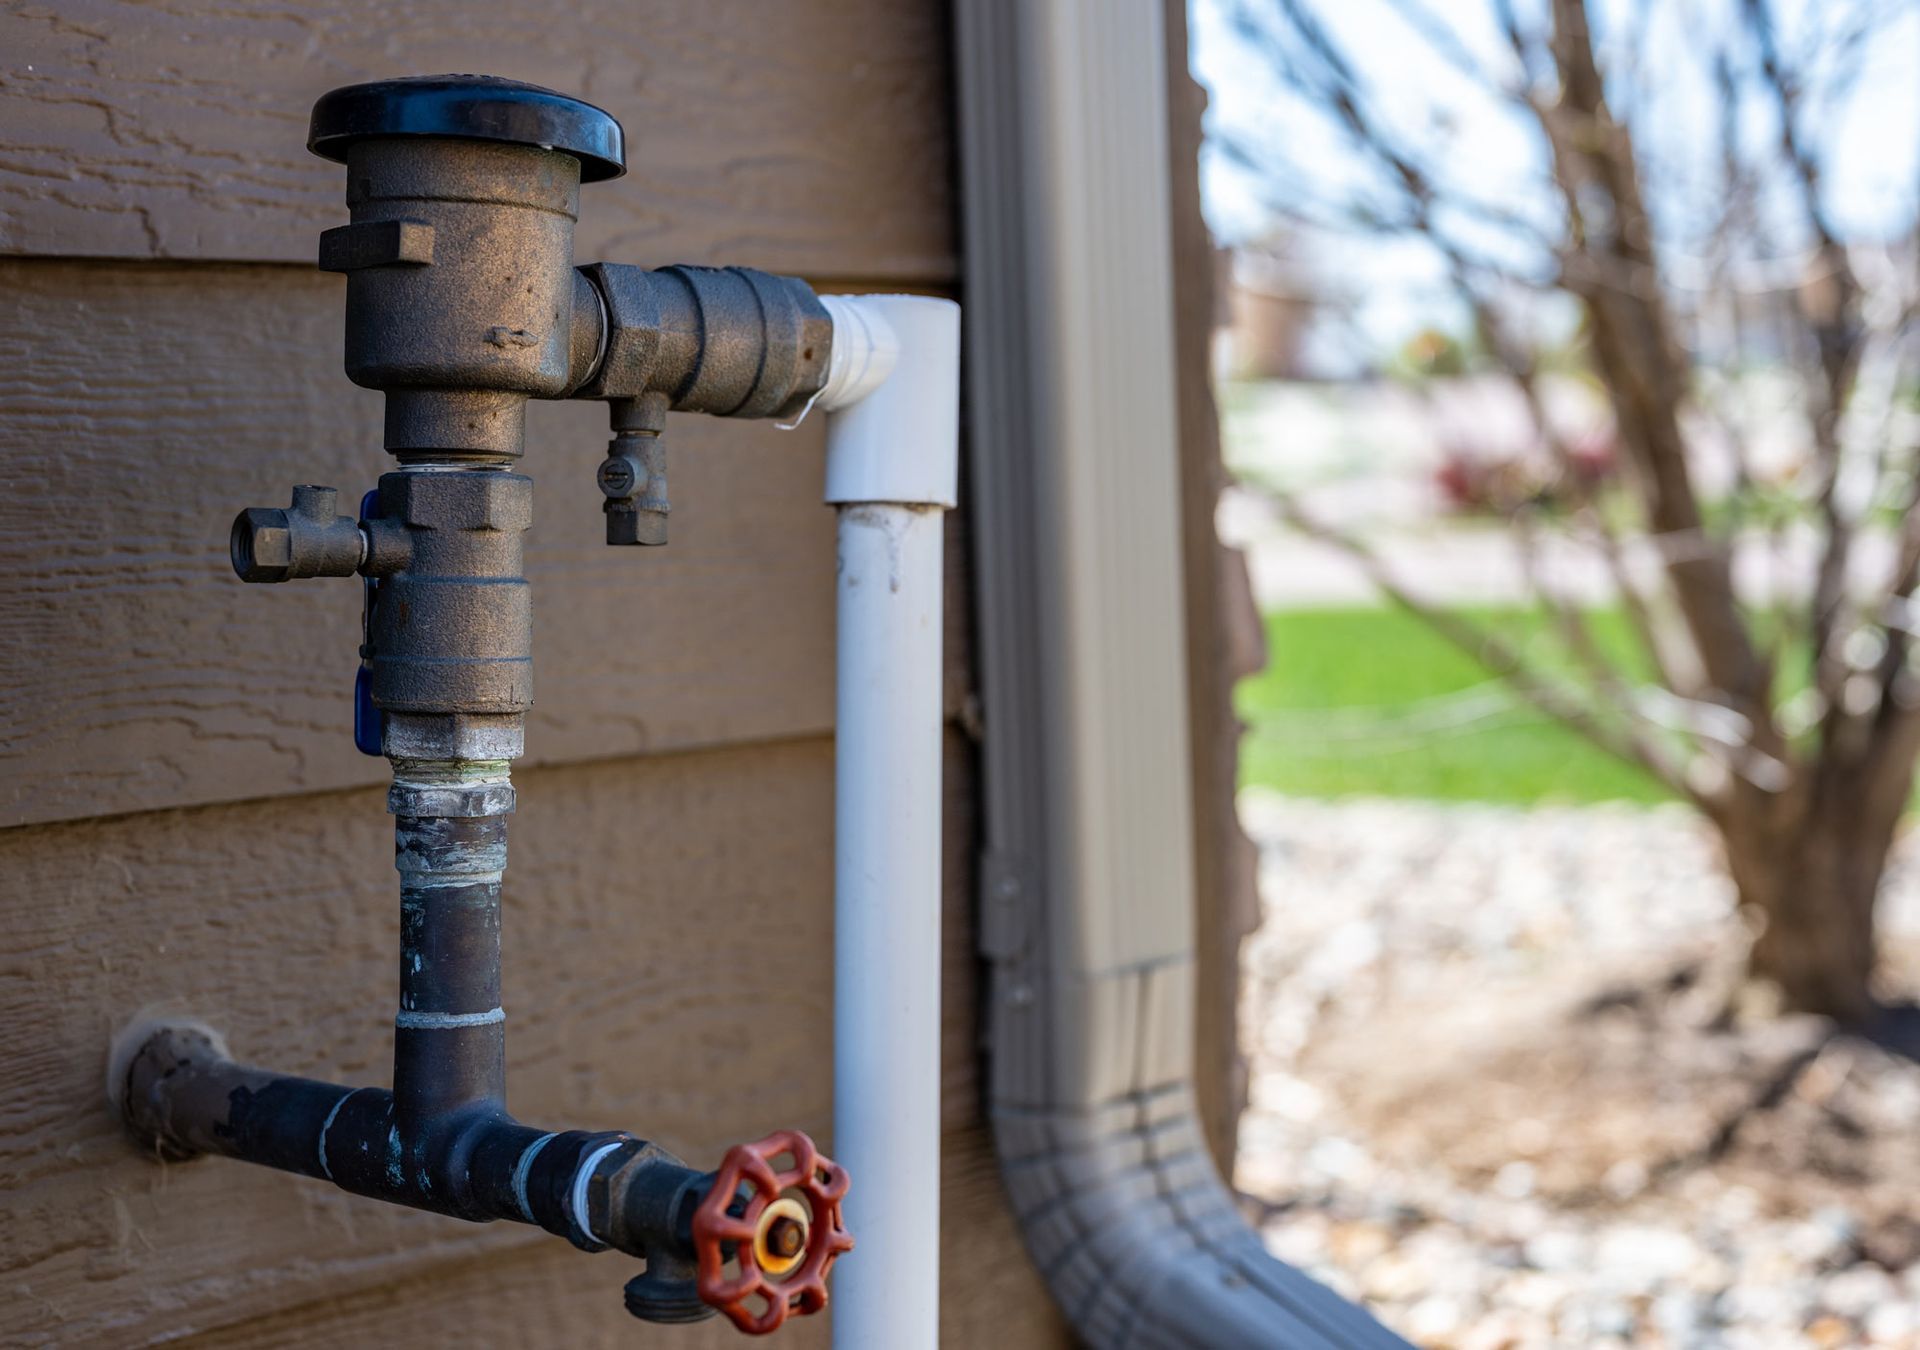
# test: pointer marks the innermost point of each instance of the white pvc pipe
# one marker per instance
(892, 465)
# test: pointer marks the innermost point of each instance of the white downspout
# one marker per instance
(893, 404)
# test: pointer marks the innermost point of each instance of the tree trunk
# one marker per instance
(1812, 888)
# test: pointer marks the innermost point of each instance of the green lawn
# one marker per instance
(1370, 702)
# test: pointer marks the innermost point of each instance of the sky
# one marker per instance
(1870, 137)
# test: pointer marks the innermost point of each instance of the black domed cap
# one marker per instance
(470, 107)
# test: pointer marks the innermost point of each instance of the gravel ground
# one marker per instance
(1491, 1095)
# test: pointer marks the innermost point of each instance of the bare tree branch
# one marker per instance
(1722, 282)
(1829, 304)
(1641, 361)
(1441, 38)
(1577, 634)
(1332, 83)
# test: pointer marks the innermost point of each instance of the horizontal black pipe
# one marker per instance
(441, 1139)
(596, 1189)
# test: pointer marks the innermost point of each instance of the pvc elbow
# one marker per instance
(893, 400)
(865, 350)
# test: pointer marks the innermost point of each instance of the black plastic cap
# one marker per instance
(469, 107)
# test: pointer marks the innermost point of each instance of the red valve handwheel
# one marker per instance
(801, 1287)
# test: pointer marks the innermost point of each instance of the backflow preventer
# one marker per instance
(462, 304)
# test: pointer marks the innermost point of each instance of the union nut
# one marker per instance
(635, 1196)
(306, 539)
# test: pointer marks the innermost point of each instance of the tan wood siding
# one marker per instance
(183, 822)
(521, 1298)
(278, 922)
(807, 137)
(669, 968)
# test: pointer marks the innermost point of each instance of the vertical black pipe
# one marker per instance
(449, 1037)
(450, 1032)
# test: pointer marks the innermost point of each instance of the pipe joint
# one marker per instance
(451, 630)
(894, 397)
(462, 304)
(640, 1199)
(729, 341)
(307, 538)
(183, 1096)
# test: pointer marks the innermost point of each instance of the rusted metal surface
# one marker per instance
(729, 341)
(305, 539)
(460, 342)
(452, 629)
(450, 847)
(461, 306)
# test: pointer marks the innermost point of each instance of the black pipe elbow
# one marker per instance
(182, 1096)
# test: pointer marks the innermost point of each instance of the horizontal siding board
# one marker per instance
(531, 1295)
(799, 137)
(140, 407)
(655, 909)
(190, 828)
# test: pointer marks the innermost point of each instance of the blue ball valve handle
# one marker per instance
(368, 721)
